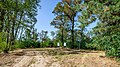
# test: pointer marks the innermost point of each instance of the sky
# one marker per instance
(45, 16)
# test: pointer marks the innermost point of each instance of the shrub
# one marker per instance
(109, 43)
(3, 44)
(4, 47)
(93, 46)
(30, 44)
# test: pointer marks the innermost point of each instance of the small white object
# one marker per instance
(65, 44)
(58, 44)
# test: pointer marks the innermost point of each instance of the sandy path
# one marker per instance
(25, 61)
(83, 58)
(44, 58)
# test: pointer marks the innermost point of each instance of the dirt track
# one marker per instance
(52, 57)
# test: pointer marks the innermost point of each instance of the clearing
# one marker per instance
(56, 57)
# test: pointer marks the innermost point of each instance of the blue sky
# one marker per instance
(45, 16)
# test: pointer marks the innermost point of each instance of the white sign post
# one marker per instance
(64, 44)
(58, 44)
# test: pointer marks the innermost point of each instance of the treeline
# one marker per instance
(72, 17)
(17, 21)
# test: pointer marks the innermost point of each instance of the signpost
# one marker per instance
(64, 44)
(58, 44)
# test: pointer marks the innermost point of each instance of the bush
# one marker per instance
(3, 45)
(93, 46)
(51, 44)
(18, 45)
(113, 52)
(26, 44)
(109, 43)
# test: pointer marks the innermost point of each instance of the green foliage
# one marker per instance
(107, 32)
(114, 45)
(110, 43)
(17, 17)
(3, 45)
(26, 44)
(66, 12)
(17, 46)
(47, 43)
(29, 44)
(93, 46)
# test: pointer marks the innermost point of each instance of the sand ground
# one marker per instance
(56, 57)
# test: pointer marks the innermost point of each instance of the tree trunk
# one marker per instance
(8, 30)
(62, 38)
(72, 32)
(13, 37)
(13, 29)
